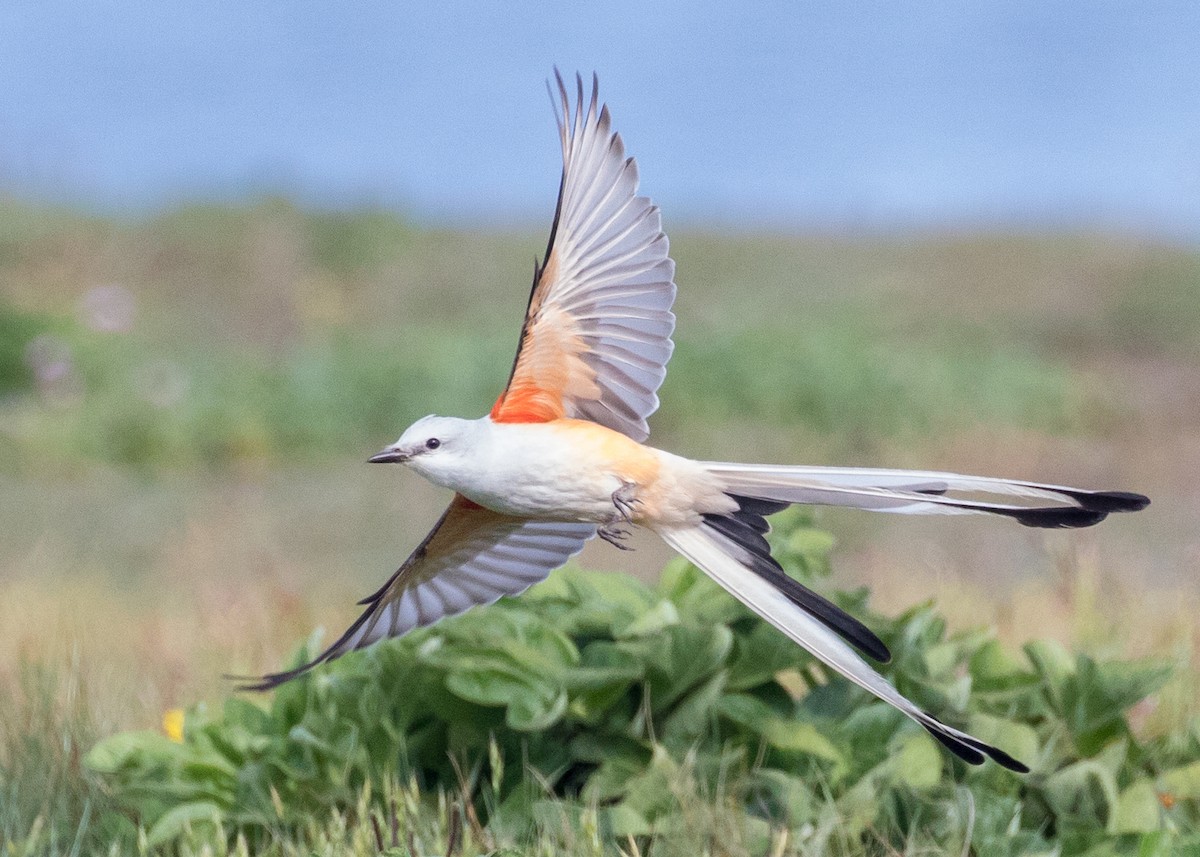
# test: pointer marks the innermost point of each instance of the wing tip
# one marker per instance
(270, 681)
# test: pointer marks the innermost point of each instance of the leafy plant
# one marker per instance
(601, 690)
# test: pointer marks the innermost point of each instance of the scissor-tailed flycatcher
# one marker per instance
(560, 457)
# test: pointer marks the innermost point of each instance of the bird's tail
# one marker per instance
(918, 492)
(726, 561)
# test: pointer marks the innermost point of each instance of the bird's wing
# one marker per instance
(471, 556)
(597, 332)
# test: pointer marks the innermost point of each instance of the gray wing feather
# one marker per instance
(613, 275)
(502, 556)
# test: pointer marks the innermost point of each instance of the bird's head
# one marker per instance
(433, 446)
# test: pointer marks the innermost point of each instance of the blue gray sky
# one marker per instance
(790, 114)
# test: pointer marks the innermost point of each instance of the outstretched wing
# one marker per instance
(597, 332)
(472, 556)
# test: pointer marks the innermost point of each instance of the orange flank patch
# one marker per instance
(620, 454)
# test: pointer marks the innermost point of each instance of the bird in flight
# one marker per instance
(561, 456)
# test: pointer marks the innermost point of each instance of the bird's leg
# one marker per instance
(624, 501)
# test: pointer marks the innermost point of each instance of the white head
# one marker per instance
(436, 447)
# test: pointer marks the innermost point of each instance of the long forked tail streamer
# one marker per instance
(706, 551)
(919, 492)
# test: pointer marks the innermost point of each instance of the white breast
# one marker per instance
(531, 470)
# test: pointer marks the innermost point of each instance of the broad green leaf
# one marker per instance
(173, 823)
(613, 777)
(536, 710)
(1086, 790)
(1137, 810)
(489, 685)
(1162, 843)
(693, 714)
(1019, 740)
(1096, 696)
(782, 733)
(660, 616)
(698, 597)
(994, 668)
(760, 655)
(917, 762)
(942, 658)
(810, 542)
(593, 746)
(1054, 664)
(1183, 783)
(622, 821)
(680, 657)
(794, 795)
(127, 749)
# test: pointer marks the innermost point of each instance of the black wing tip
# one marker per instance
(971, 751)
(263, 683)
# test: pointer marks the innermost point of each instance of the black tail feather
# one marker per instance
(1109, 501)
(970, 749)
(745, 529)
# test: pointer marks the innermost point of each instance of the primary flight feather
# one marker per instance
(560, 458)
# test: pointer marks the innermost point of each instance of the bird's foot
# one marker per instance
(615, 535)
(625, 501)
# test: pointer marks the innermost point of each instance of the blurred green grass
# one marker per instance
(263, 331)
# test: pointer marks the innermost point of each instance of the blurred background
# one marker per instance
(242, 246)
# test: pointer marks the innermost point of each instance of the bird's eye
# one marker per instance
(432, 443)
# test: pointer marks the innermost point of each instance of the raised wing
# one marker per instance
(597, 332)
(472, 556)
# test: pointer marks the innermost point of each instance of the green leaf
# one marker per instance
(693, 714)
(1137, 810)
(792, 794)
(992, 667)
(1053, 664)
(1095, 697)
(680, 657)
(698, 597)
(622, 820)
(177, 819)
(1182, 783)
(782, 733)
(1085, 791)
(661, 615)
(131, 749)
(489, 685)
(1019, 740)
(536, 711)
(760, 655)
(917, 762)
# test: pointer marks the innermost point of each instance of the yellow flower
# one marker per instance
(172, 724)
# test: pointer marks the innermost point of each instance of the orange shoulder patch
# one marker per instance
(525, 403)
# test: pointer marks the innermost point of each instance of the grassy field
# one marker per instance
(186, 400)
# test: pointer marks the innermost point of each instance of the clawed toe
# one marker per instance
(615, 536)
(625, 501)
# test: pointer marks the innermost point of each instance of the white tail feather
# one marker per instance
(921, 492)
(761, 597)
